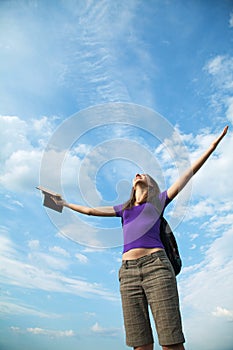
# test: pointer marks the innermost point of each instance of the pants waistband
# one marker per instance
(143, 259)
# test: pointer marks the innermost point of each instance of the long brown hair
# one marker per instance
(151, 197)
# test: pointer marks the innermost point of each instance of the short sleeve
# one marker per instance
(164, 200)
(118, 210)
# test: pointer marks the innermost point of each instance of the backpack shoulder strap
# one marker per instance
(170, 245)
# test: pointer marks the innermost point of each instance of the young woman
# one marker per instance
(146, 275)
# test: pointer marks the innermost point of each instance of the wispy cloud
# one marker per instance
(214, 66)
(10, 306)
(51, 333)
(222, 312)
(44, 332)
(220, 69)
(98, 29)
(94, 32)
(45, 276)
(207, 285)
(81, 258)
(106, 332)
(59, 251)
(34, 244)
(231, 20)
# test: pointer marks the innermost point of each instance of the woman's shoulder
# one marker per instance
(163, 198)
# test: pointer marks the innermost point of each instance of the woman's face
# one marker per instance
(140, 178)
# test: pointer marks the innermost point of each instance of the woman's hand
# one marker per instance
(183, 180)
(220, 137)
(59, 201)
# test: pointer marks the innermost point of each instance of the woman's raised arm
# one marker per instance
(183, 180)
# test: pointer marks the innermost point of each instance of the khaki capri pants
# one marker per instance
(150, 281)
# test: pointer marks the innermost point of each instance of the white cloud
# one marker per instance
(91, 30)
(59, 251)
(96, 328)
(74, 230)
(105, 332)
(231, 20)
(34, 244)
(81, 150)
(43, 272)
(7, 247)
(10, 306)
(51, 333)
(13, 135)
(45, 260)
(200, 209)
(219, 221)
(10, 202)
(222, 312)
(213, 180)
(206, 285)
(72, 226)
(210, 192)
(46, 332)
(81, 258)
(92, 43)
(21, 171)
(22, 151)
(21, 146)
(17, 134)
(18, 203)
(221, 68)
(229, 105)
(15, 329)
(215, 65)
(193, 236)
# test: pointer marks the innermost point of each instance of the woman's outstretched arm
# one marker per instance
(183, 180)
(98, 211)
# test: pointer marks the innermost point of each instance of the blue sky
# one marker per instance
(92, 92)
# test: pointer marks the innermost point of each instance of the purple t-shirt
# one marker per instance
(141, 224)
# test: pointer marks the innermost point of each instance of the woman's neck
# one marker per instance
(140, 195)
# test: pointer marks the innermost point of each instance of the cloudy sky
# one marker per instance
(92, 92)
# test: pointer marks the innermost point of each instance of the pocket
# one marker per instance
(165, 263)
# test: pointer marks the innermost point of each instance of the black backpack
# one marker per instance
(169, 242)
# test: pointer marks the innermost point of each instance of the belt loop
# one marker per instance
(126, 264)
